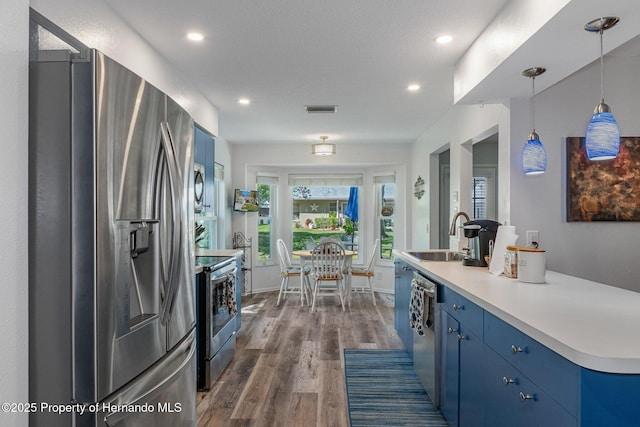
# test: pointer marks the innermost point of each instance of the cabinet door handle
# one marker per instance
(508, 381)
(458, 307)
(452, 330)
(525, 397)
(461, 337)
(516, 350)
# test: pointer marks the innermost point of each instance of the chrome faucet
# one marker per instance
(452, 230)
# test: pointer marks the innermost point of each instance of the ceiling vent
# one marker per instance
(316, 109)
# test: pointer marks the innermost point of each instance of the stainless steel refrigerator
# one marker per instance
(111, 283)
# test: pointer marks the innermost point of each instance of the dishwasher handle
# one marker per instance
(428, 285)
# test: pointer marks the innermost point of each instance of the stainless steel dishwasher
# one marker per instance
(426, 347)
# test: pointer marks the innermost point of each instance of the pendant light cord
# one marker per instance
(533, 104)
(601, 68)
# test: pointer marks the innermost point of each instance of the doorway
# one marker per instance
(444, 178)
(484, 189)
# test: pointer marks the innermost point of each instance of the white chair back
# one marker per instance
(283, 256)
(328, 261)
(288, 270)
(372, 256)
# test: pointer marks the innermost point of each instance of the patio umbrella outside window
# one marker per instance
(352, 208)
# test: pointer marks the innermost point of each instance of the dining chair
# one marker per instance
(366, 271)
(287, 270)
(327, 270)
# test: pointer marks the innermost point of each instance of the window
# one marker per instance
(479, 197)
(319, 209)
(483, 193)
(385, 190)
(267, 187)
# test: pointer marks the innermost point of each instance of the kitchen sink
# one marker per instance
(436, 255)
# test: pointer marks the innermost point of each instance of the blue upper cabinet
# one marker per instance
(205, 155)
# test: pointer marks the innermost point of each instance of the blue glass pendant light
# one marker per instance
(534, 156)
(602, 140)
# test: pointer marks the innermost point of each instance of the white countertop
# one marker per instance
(593, 325)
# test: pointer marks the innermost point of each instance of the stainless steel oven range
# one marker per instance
(217, 310)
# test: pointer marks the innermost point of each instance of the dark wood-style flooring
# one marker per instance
(288, 368)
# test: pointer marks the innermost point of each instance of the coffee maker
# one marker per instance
(482, 235)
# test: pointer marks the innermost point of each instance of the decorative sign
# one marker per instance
(604, 190)
(418, 188)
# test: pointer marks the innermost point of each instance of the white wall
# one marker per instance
(223, 156)
(606, 252)
(459, 129)
(95, 24)
(13, 190)
(282, 159)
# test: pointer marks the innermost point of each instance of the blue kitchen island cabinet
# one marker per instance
(535, 355)
(609, 399)
(526, 383)
(403, 278)
(462, 399)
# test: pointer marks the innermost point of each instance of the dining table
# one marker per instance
(305, 256)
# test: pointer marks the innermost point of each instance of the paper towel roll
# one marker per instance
(506, 236)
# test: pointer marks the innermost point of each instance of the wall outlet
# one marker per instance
(532, 236)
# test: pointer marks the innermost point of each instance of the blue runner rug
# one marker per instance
(383, 390)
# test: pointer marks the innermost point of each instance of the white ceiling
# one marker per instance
(357, 54)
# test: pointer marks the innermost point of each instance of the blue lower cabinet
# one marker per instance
(609, 399)
(462, 367)
(403, 278)
(555, 374)
(492, 374)
(463, 310)
(450, 368)
(513, 399)
(472, 398)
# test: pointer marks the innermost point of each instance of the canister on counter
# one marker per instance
(511, 262)
(528, 265)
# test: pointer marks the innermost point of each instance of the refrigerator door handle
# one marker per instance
(140, 393)
(176, 203)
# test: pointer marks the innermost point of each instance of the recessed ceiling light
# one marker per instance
(196, 37)
(444, 39)
(413, 87)
(244, 101)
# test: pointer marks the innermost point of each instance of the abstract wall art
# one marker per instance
(606, 190)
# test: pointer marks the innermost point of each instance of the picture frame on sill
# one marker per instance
(605, 190)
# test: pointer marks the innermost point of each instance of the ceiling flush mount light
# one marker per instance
(196, 37)
(413, 87)
(444, 39)
(602, 140)
(244, 101)
(324, 148)
(534, 156)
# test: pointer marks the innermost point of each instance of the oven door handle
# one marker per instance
(223, 274)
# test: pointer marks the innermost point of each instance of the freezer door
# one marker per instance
(164, 396)
(183, 307)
